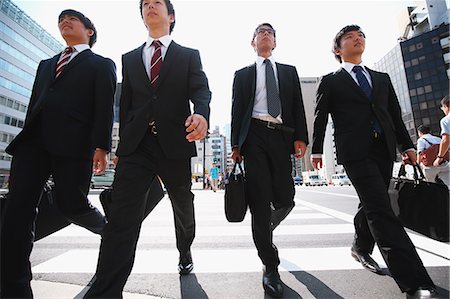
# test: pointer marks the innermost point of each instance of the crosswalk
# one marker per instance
(222, 247)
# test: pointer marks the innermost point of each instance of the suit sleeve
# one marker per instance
(199, 92)
(105, 88)
(125, 97)
(301, 131)
(321, 111)
(401, 133)
(236, 109)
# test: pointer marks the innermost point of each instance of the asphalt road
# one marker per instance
(313, 242)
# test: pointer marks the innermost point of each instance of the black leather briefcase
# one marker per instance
(421, 206)
(235, 201)
(155, 194)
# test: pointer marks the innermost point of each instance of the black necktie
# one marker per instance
(273, 98)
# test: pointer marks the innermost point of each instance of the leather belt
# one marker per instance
(272, 125)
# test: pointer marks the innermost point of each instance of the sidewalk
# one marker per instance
(55, 290)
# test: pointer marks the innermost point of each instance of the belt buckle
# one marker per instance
(376, 135)
(153, 128)
(270, 126)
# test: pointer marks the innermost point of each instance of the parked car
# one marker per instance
(298, 180)
(314, 180)
(340, 179)
(102, 180)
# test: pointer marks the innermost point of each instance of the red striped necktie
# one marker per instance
(63, 60)
(156, 63)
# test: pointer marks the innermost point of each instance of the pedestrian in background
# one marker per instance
(67, 134)
(214, 176)
(425, 141)
(268, 124)
(445, 142)
(157, 132)
(367, 127)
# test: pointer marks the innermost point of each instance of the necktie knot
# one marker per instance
(63, 60)
(68, 50)
(156, 43)
(357, 69)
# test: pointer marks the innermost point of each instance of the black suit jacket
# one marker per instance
(352, 111)
(181, 80)
(75, 110)
(292, 111)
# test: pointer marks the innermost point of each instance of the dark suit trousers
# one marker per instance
(134, 175)
(31, 167)
(269, 183)
(369, 177)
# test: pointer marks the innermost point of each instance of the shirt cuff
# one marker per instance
(316, 155)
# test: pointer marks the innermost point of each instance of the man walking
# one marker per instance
(67, 130)
(367, 126)
(268, 125)
(157, 134)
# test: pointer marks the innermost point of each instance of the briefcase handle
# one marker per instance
(234, 168)
(418, 173)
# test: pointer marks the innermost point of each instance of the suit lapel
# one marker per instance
(171, 56)
(281, 74)
(53, 62)
(80, 57)
(375, 83)
(346, 78)
(137, 65)
(252, 81)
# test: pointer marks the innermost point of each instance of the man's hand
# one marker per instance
(409, 157)
(438, 161)
(99, 161)
(299, 149)
(236, 155)
(317, 163)
(196, 126)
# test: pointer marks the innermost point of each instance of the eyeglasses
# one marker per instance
(264, 30)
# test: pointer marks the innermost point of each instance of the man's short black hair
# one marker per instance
(170, 10)
(424, 129)
(445, 101)
(338, 37)
(260, 25)
(86, 22)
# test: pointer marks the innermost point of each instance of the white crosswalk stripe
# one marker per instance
(157, 243)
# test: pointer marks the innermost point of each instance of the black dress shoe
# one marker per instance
(272, 283)
(367, 261)
(423, 293)
(185, 264)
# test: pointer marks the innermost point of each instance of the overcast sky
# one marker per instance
(222, 31)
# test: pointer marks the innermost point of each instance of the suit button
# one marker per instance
(373, 105)
(147, 116)
(52, 89)
(155, 97)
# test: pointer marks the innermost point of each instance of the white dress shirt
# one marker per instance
(148, 50)
(260, 106)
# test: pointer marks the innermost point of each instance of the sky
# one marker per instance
(222, 32)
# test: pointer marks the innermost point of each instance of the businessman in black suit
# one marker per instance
(367, 126)
(157, 134)
(67, 130)
(267, 126)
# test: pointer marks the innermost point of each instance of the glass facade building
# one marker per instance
(419, 70)
(23, 44)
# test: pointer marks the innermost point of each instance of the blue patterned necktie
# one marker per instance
(367, 89)
(273, 98)
(362, 81)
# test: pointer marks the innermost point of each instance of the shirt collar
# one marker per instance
(348, 66)
(260, 60)
(81, 47)
(165, 40)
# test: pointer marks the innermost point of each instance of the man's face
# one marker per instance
(72, 29)
(352, 44)
(155, 14)
(264, 39)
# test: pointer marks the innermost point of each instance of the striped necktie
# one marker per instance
(156, 63)
(63, 60)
